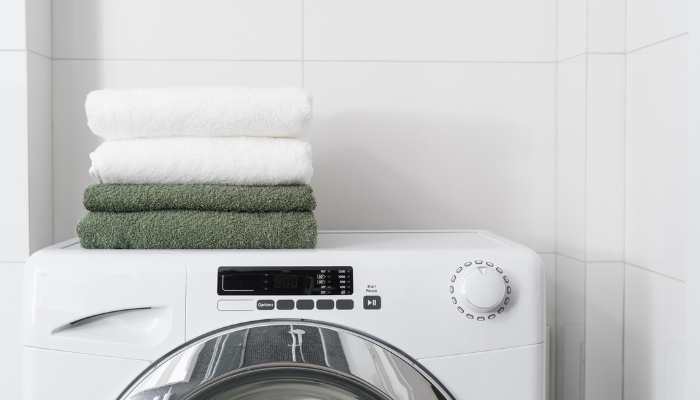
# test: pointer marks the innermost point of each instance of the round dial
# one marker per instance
(483, 289)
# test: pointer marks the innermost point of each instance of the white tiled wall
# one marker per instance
(622, 179)
(471, 98)
(427, 115)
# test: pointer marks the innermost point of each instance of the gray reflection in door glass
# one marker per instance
(199, 364)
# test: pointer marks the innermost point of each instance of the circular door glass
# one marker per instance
(285, 361)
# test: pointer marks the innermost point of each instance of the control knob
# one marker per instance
(483, 289)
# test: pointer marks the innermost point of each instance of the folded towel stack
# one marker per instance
(199, 168)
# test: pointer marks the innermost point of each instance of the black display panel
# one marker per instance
(284, 281)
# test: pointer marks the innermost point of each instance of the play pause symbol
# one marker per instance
(372, 302)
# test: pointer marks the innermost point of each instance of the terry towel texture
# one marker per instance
(186, 229)
(130, 198)
(199, 111)
(201, 160)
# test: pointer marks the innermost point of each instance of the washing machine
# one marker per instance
(365, 315)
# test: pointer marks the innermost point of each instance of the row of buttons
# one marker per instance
(324, 304)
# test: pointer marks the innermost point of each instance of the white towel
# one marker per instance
(194, 160)
(199, 111)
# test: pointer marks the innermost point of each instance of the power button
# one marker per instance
(372, 302)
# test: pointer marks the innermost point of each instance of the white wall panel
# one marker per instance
(572, 24)
(654, 336)
(605, 158)
(571, 277)
(40, 174)
(39, 26)
(178, 29)
(651, 21)
(605, 285)
(11, 334)
(656, 176)
(435, 145)
(571, 157)
(13, 34)
(72, 139)
(509, 30)
(606, 26)
(14, 234)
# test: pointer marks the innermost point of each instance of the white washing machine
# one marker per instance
(365, 315)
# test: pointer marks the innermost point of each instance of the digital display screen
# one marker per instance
(284, 281)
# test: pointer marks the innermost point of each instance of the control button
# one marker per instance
(345, 304)
(481, 319)
(285, 304)
(500, 271)
(492, 316)
(490, 264)
(460, 309)
(266, 304)
(452, 289)
(305, 304)
(454, 277)
(468, 263)
(459, 269)
(454, 301)
(500, 310)
(235, 305)
(507, 301)
(505, 279)
(324, 304)
(372, 302)
(508, 290)
(470, 316)
(478, 262)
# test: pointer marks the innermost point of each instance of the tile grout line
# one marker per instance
(590, 262)
(302, 43)
(656, 43)
(571, 58)
(654, 272)
(624, 214)
(303, 60)
(585, 214)
(53, 203)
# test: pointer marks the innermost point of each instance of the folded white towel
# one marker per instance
(199, 111)
(193, 160)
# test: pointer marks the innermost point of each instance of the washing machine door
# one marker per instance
(285, 360)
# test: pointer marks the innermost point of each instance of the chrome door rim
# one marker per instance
(272, 322)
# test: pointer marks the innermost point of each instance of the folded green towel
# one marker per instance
(187, 229)
(127, 198)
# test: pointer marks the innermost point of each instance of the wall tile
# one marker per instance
(550, 268)
(180, 29)
(416, 30)
(605, 285)
(39, 26)
(651, 21)
(14, 245)
(12, 25)
(654, 336)
(606, 26)
(72, 139)
(40, 152)
(11, 334)
(571, 153)
(570, 328)
(435, 145)
(571, 35)
(656, 175)
(605, 158)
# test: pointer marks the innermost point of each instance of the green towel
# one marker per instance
(128, 198)
(187, 229)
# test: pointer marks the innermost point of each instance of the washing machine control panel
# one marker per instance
(480, 290)
(285, 281)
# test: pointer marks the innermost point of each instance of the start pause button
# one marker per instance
(372, 302)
